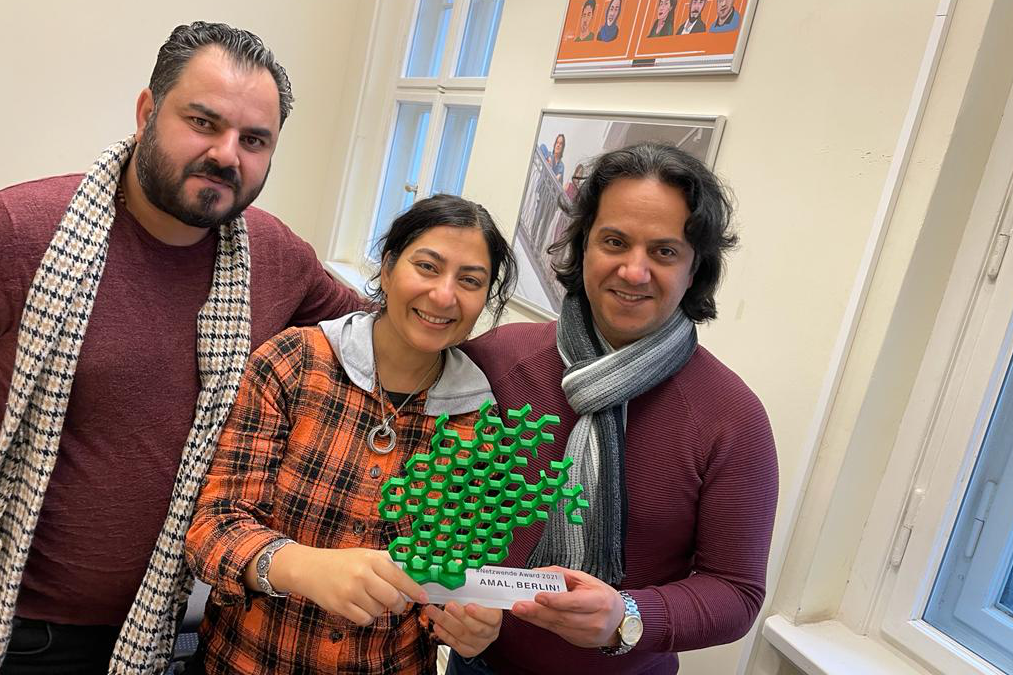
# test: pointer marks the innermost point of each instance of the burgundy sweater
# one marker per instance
(132, 402)
(701, 478)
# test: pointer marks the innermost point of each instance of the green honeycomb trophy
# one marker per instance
(465, 499)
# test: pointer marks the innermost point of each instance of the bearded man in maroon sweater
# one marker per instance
(130, 298)
(675, 453)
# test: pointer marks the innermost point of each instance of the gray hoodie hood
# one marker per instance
(461, 389)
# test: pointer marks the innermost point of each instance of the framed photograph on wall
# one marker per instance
(652, 37)
(565, 145)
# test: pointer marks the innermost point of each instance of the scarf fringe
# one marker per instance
(597, 384)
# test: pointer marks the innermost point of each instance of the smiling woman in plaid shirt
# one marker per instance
(289, 505)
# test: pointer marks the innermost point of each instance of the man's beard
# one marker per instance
(166, 191)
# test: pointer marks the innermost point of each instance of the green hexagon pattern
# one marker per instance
(465, 499)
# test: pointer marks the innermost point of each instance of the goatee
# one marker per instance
(165, 190)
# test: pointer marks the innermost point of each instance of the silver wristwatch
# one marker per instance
(630, 629)
(264, 566)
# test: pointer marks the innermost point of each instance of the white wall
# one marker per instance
(71, 73)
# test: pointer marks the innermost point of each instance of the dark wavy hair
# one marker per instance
(552, 151)
(450, 210)
(708, 228)
(244, 47)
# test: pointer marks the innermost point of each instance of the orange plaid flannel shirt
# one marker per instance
(293, 461)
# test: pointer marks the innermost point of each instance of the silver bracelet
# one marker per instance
(264, 566)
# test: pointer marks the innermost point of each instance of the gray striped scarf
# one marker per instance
(52, 329)
(597, 383)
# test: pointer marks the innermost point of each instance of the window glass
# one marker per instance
(1006, 599)
(401, 179)
(973, 591)
(455, 149)
(429, 38)
(479, 38)
(433, 134)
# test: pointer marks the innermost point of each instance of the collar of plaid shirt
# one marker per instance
(461, 388)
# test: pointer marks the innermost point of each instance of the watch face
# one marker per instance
(631, 630)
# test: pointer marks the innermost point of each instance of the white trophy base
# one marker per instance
(498, 587)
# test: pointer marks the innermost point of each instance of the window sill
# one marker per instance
(347, 273)
(830, 648)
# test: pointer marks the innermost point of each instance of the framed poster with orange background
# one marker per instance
(652, 37)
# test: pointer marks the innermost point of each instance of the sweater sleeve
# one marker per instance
(324, 297)
(229, 524)
(10, 301)
(721, 598)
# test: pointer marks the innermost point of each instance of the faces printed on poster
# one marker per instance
(609, 30)
(585, 32)
(694, 22)
(612, 15)
(663, 19)
(668, 31)
(727, 19)
(597, 21)
(660, 19)
(692, 17)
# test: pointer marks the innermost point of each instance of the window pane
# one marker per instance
(404, 158)
(479, 38)
(429, 38)
(1006, 601)
(455, 149)
(970, 599)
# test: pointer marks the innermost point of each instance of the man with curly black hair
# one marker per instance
(674, 452)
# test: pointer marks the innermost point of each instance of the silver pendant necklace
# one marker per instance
(384, 430)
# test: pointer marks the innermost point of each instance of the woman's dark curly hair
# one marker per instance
(450, 210)
(708, 228)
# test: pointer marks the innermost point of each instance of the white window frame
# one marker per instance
(455, 37)
(373, 127)
(439, 92)
(989, 506)
(942, 431)
(437, 116)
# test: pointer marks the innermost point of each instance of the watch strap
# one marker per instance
(631, 610)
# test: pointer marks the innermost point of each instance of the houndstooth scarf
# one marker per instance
(597, 384)
(52, 328)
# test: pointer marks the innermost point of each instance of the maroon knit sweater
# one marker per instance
(701, 479)
(135, 388)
